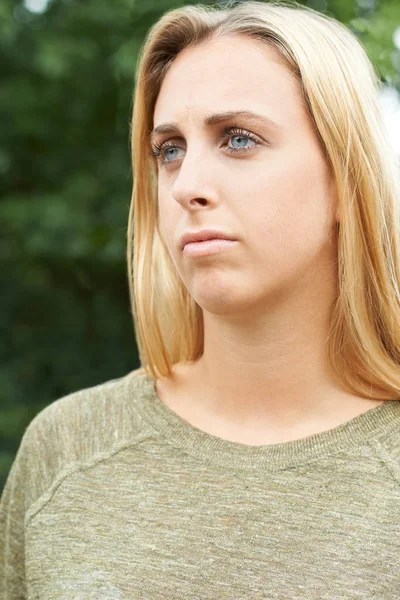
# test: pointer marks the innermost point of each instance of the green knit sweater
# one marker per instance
(113, 496)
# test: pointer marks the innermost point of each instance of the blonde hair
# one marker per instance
(341, 92)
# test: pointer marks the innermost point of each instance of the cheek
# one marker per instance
(288, 208)
(168, 221)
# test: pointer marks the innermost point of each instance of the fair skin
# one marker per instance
(264, 376)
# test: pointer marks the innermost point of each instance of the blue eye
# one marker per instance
(164, 151)
(168, 150)
(242, 138)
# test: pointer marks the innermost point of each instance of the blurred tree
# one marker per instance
(67, 70)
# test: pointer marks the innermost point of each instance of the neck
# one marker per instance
(272, 370)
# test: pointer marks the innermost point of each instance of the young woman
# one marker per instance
(256, 453)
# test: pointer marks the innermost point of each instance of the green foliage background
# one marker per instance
(67, 78)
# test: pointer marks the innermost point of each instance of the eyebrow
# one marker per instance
(216, 118)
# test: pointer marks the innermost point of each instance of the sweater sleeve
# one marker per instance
(56, 438)
(12, 526)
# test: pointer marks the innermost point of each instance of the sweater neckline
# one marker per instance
(353, 434)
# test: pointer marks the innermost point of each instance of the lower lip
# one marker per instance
(207, 247)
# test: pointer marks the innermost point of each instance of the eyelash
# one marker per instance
(157, 149)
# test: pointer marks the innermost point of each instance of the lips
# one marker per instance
(207, 247)
(202, 236)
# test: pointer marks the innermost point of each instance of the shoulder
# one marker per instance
(90, 409)
(386, 442)
(78, 429)
(91, 405)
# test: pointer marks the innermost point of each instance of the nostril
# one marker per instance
(201, 201)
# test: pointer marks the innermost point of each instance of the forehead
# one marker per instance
(227, 73)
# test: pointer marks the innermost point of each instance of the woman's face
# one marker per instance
(266, 185)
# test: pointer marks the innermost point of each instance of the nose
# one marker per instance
(195, 183)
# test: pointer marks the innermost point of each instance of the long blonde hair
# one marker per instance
(340, 89)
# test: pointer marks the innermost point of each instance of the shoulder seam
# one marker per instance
(391, 465)
(75, 467)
